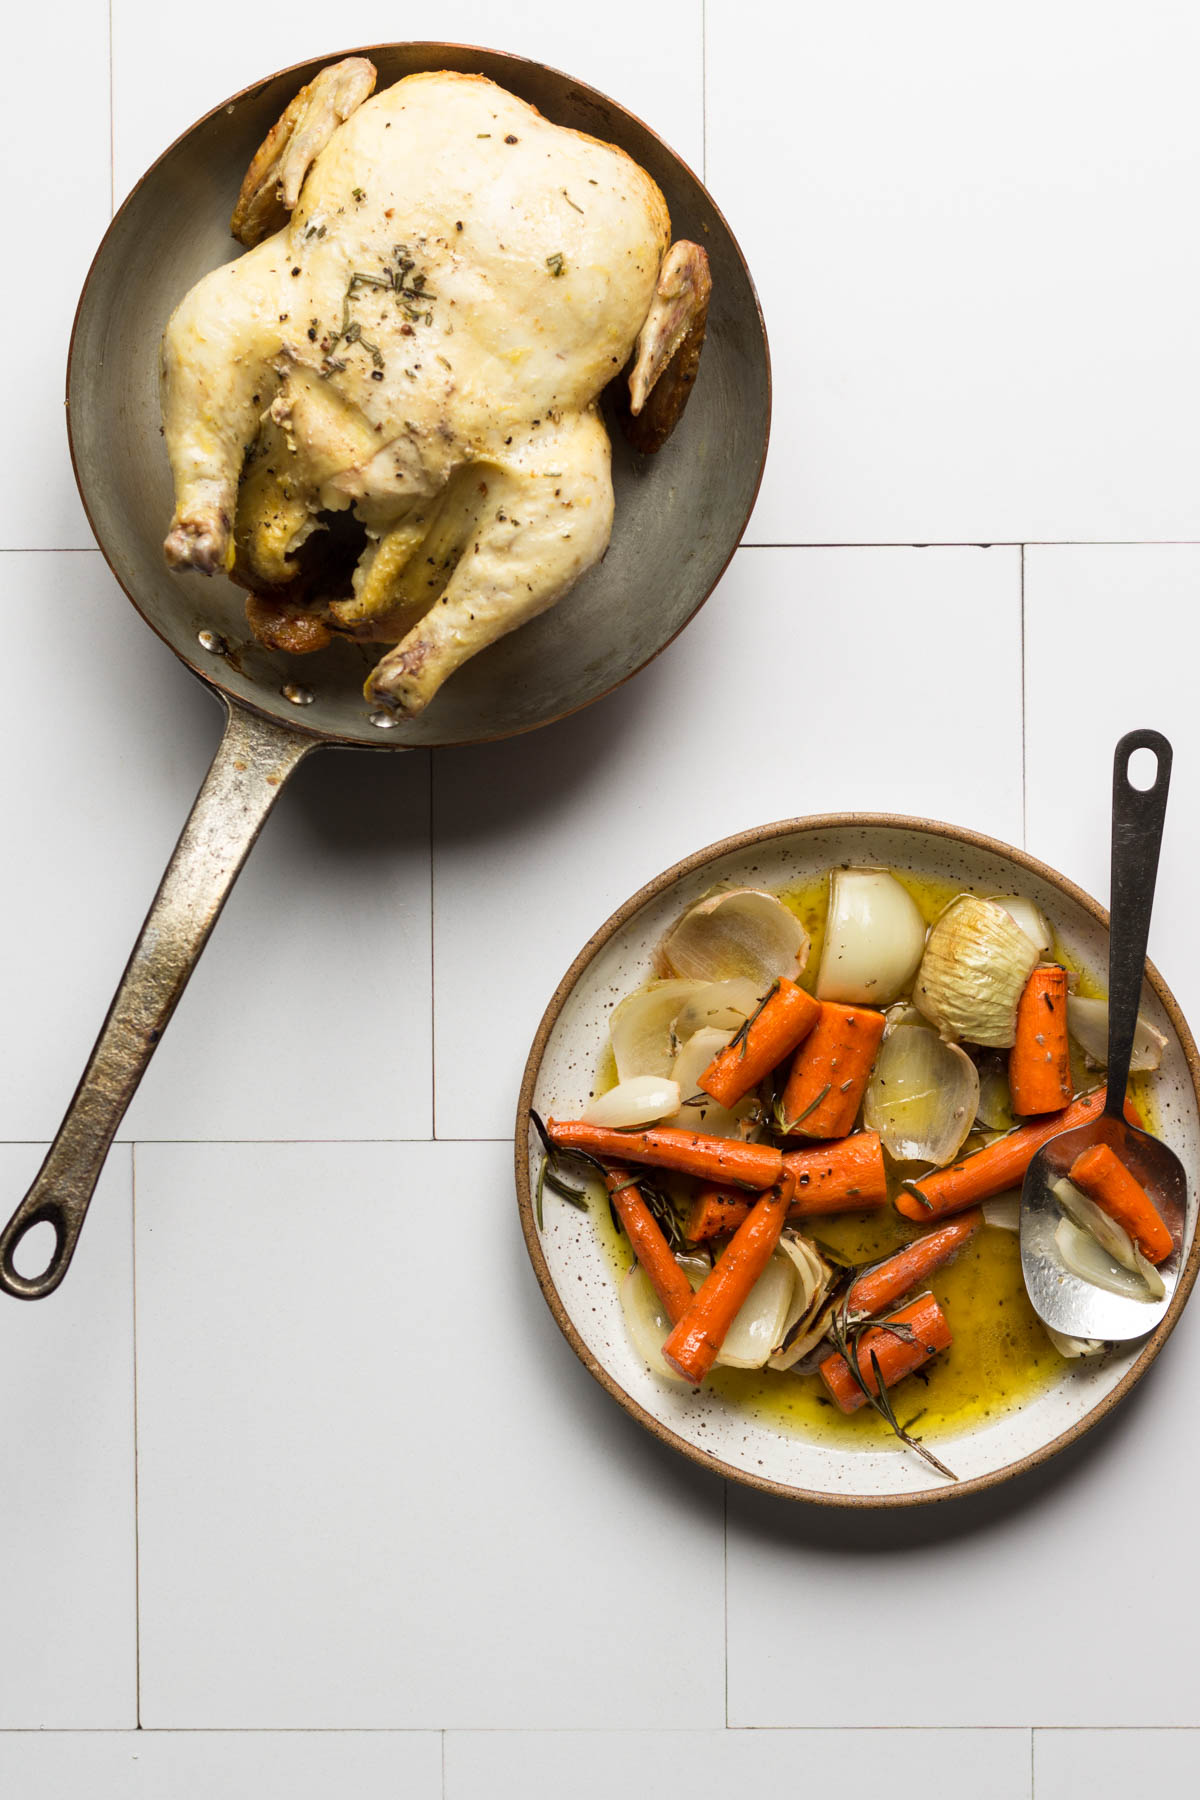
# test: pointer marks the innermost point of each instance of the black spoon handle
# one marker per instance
(1137, 828)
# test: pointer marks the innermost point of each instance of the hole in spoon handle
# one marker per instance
(1137, 828)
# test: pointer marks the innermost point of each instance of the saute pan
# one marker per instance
(679, 517)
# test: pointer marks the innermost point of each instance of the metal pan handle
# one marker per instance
(254, 759)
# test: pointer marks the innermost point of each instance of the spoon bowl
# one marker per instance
(1063, 1300)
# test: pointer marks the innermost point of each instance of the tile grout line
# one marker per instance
(137, 1533)
(433, 1121)
(704, 91)
(606, 1731)
(112, 121)
(725, 1589)
(1024, 745)
(1032, 1762)
(801, 544)
(965, 543)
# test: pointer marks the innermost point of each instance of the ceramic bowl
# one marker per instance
(573, 1266)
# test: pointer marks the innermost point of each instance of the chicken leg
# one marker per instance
(549, 517)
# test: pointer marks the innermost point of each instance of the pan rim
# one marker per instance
(651, 890)
(209, 676)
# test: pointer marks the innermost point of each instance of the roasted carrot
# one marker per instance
(695, 1340)
(847, 1176)
(711, 1158)
(714, 1211)
(838, 1177)
(650, 1246)
(912, 1266)
(1001, 1165)
(787, 1016)
(831, 1070)
(1039, 1063)
(898, 1353)
(1102, 1176)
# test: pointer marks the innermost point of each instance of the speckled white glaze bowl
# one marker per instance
(574, 1270)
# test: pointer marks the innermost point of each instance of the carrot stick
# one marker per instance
(830, 1073)
(786, 1017)
(830, 1178)
(650, 1246)
(711, 1158)
(1001, 1165)
(1102, 1176)
(911, 1266)
(898, 1354)
(695, 1340)
(1039, 1063)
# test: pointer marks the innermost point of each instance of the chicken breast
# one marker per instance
(421, 347)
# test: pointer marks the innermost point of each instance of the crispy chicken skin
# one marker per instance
(423, 342)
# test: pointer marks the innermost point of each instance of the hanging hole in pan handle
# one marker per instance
(34, 1263)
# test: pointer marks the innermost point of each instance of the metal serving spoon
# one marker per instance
(1061, 1299)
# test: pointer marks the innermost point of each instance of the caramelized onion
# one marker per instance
(805, 1322)
(874, 937)
(994, 1110)
(922, 1096)
(719, 1006)
(758, 1326)
(645, 1315)
(1030, 918)
(640, 1028)
(976, 963)
(742, 931)
(1073, 1346)
(642, 1100)
(1087, 1021)
(1114, 1243)
(1004, 1211)
(705, 1114)
(1084, 1257)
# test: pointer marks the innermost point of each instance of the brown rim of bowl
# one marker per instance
(745, 840)
(204, 674)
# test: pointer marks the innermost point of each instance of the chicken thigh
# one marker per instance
(420, 346)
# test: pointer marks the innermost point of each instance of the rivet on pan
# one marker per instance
(213, 642)
(299, 696)
(384, 721)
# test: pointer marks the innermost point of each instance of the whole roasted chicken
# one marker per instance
(383, 420)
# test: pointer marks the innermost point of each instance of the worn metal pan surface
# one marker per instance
(679, 517)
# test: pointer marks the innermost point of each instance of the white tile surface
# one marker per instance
(68, 1651)
(647, 58)
(971, 240)
(309, 1013)
(965, 226)
(54, 143)
(375, 1486)
(997, 1597)
(1112, 1765)
(711, 1765)
(785, 696)
(1115, 628)
(242, 1765)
